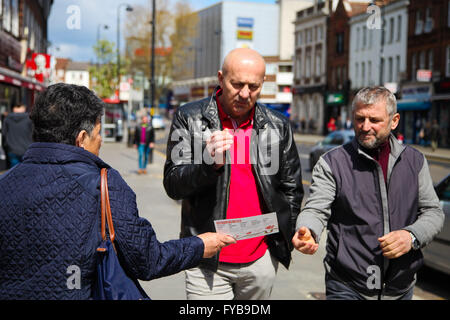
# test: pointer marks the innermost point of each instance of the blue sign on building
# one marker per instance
(245, 22)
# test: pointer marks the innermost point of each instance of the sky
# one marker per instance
(73, 24)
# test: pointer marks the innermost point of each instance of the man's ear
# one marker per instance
(220, 77)
(395, 121)
(79, 141)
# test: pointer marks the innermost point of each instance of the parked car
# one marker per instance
(437, 253)
(158, 122)
(331, 141)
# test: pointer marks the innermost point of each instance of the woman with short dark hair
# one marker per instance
(50, 209)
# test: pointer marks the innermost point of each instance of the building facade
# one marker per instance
(426, 89)
(337, 97)
(310, 66)
(266, 28)
(23, 37)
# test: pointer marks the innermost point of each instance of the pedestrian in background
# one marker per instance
(50, 209)
(377, 201)
(222, 187)
(331, 125)
(144, 141)
(17, 131)
(434, 135)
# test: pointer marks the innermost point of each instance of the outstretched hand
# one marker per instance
(214, 242)
(304, 242)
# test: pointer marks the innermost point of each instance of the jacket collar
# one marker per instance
(59, 153)
(396, 147)
(211, 112)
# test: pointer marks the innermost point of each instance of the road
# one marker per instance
(305, 278)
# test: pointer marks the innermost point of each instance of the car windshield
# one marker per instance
(336, 138)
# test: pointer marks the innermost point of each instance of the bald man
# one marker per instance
(230, 157)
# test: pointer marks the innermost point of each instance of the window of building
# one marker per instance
(357, 74)
(419, 23)
(413, 66)
(15, 18)
(391, 30)
(364, 37)
(369, 73)
(7, 15)
(383, 32)
(285, 68)
(318, 63)
(382, 71)
(363, 74)
(447, 66)
(397, 71)
(430, 59)
(308, 65)
(390, 69)
(369, 42)
(340, 42)
(399, 28)
(448, 14)
(422, 60)
(299, 38)
(298, 66)
(428, 20)
(320, 36)
(357, 39)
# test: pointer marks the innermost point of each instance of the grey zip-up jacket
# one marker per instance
(349, 196)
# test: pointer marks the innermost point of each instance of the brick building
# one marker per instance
(337, 98)
(426, 90)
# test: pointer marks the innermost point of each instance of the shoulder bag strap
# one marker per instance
(105, 207)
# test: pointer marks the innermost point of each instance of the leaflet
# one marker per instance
(247, 228)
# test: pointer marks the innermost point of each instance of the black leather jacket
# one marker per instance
(189, 174)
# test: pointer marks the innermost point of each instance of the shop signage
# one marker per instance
(424, 75)
(245, 22)
(39, 66)
(335, 98)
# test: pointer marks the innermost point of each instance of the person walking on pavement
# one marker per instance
(377, 200)
(144, 141)
(248, 166)
(17, 130)
(50, 210)
(434, 135)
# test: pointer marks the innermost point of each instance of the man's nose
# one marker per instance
(366, 125)
(245, 92)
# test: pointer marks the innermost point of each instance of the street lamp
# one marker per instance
(152, 83)
(129, 9)
(105, 27)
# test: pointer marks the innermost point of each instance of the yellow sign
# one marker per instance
(245, 35)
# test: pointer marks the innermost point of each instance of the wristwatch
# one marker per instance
(414, 243)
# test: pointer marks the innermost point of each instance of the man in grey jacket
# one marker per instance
(377, 200)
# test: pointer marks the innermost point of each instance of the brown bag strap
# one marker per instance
(105, 207)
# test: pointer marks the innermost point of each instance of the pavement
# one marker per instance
(440, 154)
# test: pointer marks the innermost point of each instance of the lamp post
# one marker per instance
(105, 27)
(129, 9)
(152, 80)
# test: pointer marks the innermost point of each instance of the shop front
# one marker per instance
(16, 89)
(441, 111)
(415, 111)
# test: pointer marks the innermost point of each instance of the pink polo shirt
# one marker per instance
(244, 197)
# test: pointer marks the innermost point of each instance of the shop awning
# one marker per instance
(16, 79)
(405, 105)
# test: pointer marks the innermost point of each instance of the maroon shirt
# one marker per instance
(381, 155)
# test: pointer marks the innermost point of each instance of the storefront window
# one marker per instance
(15, 17)
(7, 15)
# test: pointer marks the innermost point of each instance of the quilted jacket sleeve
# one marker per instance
(183, 174)
(140, 252)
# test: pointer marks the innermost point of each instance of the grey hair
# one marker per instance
(372, 95)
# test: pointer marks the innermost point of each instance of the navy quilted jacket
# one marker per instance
(50, 227)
